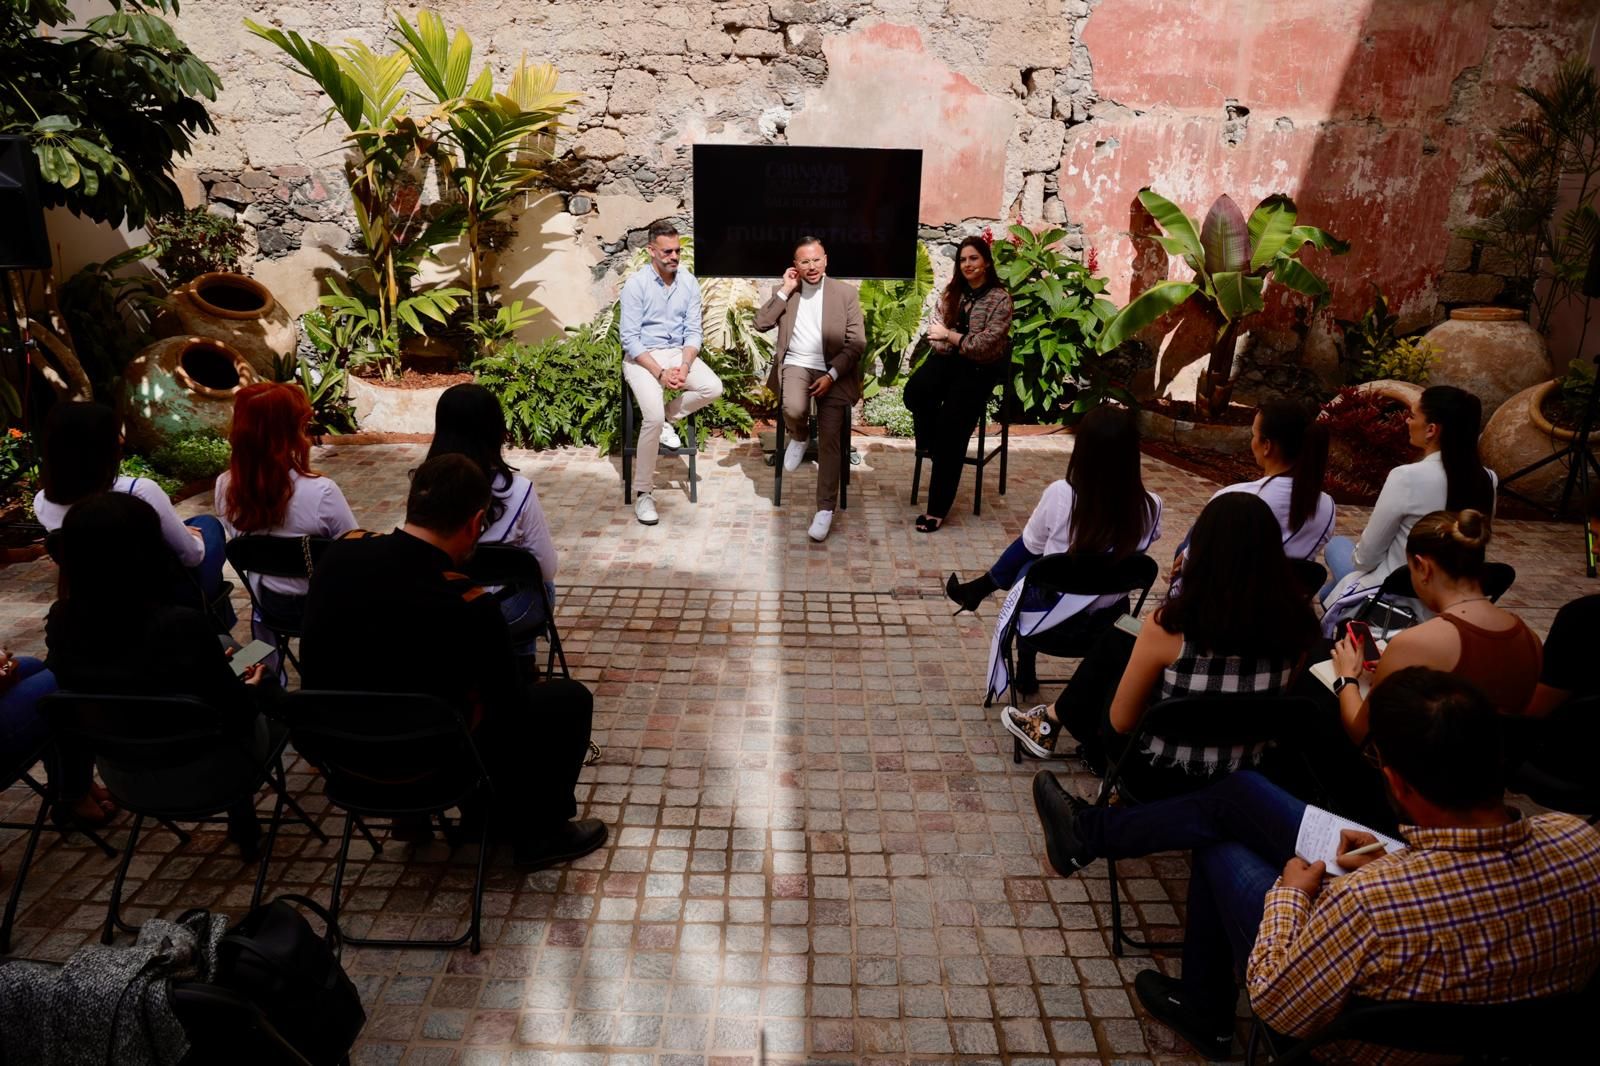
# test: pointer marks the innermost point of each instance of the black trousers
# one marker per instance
(946, 397)
(534, 757)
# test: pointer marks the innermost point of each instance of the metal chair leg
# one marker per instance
(280, 784)
(844, 464)
(777, 459)
(694, 452)
(22, 875)
(182, 834)
(272, 838)
(977, 487)
(338, 874)
(475, 931)
(114, 908)
(1005, 450)
(367, 834)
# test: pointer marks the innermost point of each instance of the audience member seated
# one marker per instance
(269, 487)
(80, 457)
(469, 421)
(1469, 636)
(1291, 448)
(113, 632)
(24, 681)
(1449, 477)
(1100, 508)
(1574, 636)
(1238, 624)
(1485, 905)
(532, 740)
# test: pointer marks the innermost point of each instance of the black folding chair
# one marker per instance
(690, 448)
(777, 453)
(147, 748)
(1530, 1032)
(392, 755)
(984, 453)
(1219, 720)
(514, 570)
(1551, 765)
(259, 555)
(1066, 573)
(1497, 578)
(219, 608)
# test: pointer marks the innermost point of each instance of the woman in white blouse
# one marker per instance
(1449, 477)
(270, 488)
(1291, 449)
(81, 457)
(1100, 507)
(469, 421)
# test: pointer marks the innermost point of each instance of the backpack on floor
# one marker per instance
(275, 959)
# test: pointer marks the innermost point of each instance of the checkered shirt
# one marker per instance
(1195, 673)
(1462, 916)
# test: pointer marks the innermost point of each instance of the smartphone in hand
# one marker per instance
(1361, 637)
(249, 655)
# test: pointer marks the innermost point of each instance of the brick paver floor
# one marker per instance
(820, 849)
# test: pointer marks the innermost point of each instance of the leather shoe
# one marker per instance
(568, 841)
(1163, 997)
(1058, 814)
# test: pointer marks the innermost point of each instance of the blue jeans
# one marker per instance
(1012, 564)
(208, 571)
(525, 616)
(1242, 830)
(21, 728)
(1340, 555)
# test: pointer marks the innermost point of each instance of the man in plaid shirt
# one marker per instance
(1483, 906)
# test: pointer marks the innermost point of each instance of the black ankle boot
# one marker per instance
(971, 593)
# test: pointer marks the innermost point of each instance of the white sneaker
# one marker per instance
(669, 436)
(820, 526)
(644, 509)
(793, 453)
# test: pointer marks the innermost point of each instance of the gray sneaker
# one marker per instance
(644, 509)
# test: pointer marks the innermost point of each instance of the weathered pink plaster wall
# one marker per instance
(885, 91)
(1374, 116)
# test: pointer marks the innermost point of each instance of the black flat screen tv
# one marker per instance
(752, 202)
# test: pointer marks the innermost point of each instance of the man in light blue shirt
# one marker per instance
(660, 341)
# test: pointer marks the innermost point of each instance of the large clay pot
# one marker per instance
(1491, 352)
(239, 311)
(1519, 435)
(384, 409)
(181, 384)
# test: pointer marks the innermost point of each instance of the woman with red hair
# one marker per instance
(269, 486)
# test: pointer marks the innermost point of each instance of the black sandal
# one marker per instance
(927, 523)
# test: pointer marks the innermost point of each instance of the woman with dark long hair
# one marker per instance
(1291, 449)
(81, 456)
(1100, 508)
(469, 421)
(1239, 623)
(1444, 424)
(111, 555)
(270, 487)
(949, 392)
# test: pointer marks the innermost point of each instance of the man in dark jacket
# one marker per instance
(389, 613)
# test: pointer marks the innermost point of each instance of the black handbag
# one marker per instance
(275, 959)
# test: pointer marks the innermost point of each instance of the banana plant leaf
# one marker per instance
(1144, 309)
(1293, 274)
(1238, 294)
(1225, 236)
(1172, 219)
(1270, 225)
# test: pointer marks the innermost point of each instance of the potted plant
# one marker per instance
(1232, 258)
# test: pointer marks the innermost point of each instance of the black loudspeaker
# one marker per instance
(23, 244)
(1591, 277)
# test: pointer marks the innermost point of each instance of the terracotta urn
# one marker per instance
(1492, 352)
(182, 384)
(240, 312)
(1519, 435)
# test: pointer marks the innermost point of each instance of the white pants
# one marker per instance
(648, 396)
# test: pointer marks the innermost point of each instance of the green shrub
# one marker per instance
(192, 456)
(15, 464)
(139, 466)
(195, 242)
(1576, 385)
(888, 409)
(565, 390)
(1405, 359)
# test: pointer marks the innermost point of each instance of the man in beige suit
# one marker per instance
(818, 356)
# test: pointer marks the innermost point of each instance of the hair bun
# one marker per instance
(1471, 529)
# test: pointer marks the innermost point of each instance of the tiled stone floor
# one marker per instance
(820, 848)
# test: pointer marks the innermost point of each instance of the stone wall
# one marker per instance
(1375, 115)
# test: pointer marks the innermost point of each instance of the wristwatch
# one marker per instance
(1339, 683)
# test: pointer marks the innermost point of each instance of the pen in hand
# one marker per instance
(1365, 849)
